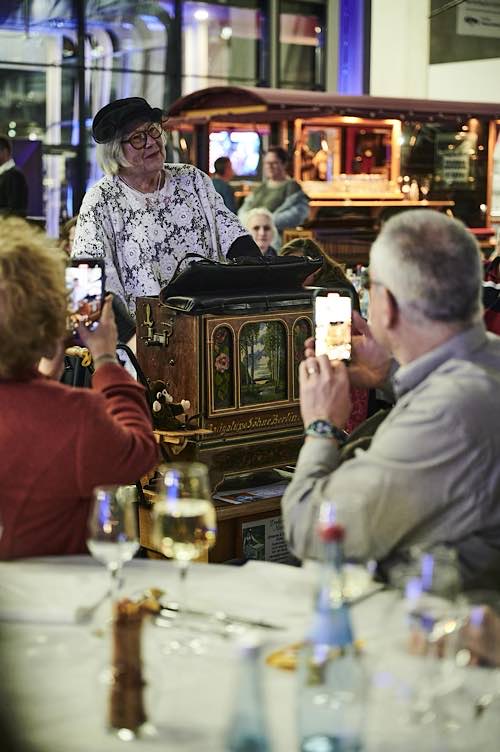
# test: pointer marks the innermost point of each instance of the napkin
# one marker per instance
(31, 593)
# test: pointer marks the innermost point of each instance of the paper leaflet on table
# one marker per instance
(243, 495)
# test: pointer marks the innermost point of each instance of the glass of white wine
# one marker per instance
(112, 529)
(185, 523)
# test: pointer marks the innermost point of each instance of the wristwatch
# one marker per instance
(323, 429)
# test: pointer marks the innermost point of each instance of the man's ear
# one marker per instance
(390, 309)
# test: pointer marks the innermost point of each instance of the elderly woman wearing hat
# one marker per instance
(144, 216)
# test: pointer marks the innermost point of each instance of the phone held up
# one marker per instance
(85, 283)
(333, 323)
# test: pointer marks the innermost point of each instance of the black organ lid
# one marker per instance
(241, 284)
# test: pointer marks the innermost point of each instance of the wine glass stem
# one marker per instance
(114, 582)
(181, 597)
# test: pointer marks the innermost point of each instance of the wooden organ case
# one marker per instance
(235, 357)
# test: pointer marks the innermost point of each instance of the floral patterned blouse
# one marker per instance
(143, 237)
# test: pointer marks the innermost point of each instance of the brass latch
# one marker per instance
(155, 339)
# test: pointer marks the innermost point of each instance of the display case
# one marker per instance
(359, 159)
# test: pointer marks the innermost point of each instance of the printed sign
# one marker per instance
(455, 168)
(479, 18)
(264, 540)
(453, 159)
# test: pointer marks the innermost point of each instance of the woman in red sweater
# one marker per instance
(57, 442)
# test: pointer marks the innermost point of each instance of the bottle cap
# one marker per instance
(330, 532)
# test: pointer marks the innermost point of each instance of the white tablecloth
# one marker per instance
(53, 672)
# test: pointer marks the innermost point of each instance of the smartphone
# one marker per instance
(85, 282)
(333, 323)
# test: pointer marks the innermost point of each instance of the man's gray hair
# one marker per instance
(431, 264)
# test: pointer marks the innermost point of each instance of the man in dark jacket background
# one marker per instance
(223, 174)
(13, 185)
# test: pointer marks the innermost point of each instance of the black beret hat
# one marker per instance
(114, 117)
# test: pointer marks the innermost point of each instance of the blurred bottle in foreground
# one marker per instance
(332, 681)
(247, 730)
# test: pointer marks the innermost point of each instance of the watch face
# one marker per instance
(320, 427)
(326, 429)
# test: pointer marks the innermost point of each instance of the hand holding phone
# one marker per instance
(85, 285)
(333, 323)
(103, 339)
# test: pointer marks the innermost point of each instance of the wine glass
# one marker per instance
(112, 530)
(184, 518)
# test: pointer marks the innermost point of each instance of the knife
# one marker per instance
(171, 607)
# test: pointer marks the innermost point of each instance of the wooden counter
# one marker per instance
(375, 205)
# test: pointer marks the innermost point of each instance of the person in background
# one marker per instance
(331, 275)
(13, 184)
(431, 474)
(278, 193)
(57, 442)
(67, 235)
(260, 223)
(223, 174)
(491, 291)
(144, 216)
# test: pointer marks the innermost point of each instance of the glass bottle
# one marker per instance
(414, 192)
(247, 730)
(332, 681)
(405, 186)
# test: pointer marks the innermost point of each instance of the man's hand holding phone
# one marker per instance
(324, 391)
(370, 362)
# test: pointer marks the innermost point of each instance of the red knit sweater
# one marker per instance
(58, 442)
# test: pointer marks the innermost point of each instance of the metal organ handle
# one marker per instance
(152, 338)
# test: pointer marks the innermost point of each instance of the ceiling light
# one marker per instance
(201, 14)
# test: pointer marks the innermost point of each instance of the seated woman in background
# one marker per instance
(261, 226)
(278, 193)
(57, 442)
(332, 275)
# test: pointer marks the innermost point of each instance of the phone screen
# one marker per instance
(332, 320)
(85, 285)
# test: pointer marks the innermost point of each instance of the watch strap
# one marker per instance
(324, 429)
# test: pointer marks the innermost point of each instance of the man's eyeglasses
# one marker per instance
(140, 138)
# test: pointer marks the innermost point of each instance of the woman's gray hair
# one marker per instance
(259, 210)
(431, 264)
(110, 156)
